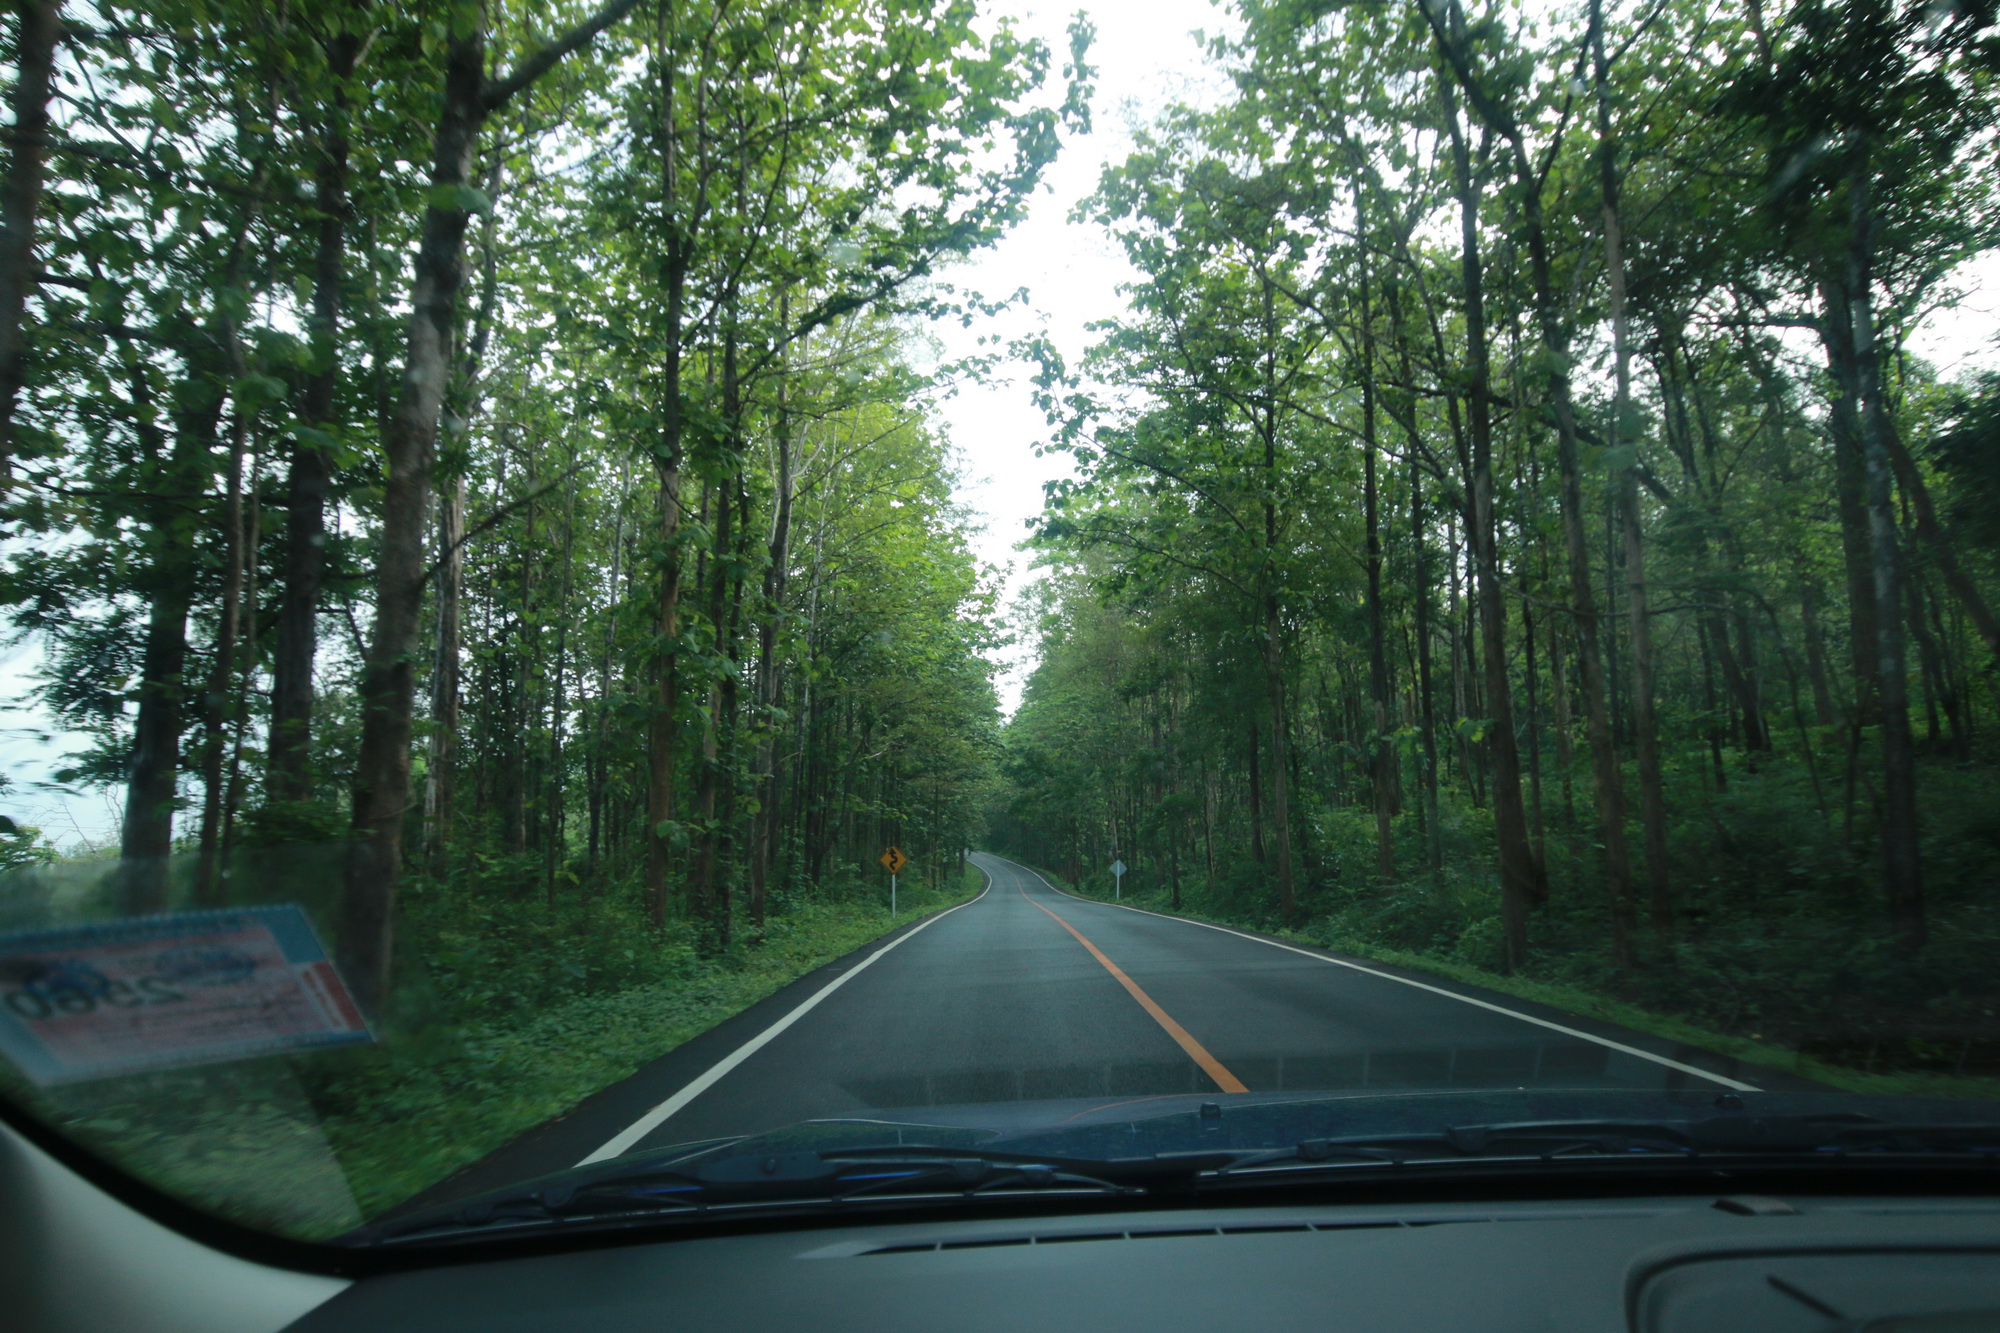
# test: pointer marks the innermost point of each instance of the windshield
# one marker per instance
(597, 588)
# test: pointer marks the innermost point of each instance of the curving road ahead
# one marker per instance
(1027, 994)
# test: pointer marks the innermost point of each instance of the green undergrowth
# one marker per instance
(487, 1046)
(1572, 999)
(402, 1125)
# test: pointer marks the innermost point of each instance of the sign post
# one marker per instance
(893, 861)
(1118, 880)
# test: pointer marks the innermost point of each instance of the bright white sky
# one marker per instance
(1146, 57)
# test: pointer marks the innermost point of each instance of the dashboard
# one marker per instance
(78, 1258)
(1673, 1265)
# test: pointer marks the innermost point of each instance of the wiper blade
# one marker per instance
(1137, 1172)
(711, 1182)
(750, 1181)
(1477, 1141)
(1837, 1137)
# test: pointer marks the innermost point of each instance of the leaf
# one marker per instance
(460, 198)
(254, 392)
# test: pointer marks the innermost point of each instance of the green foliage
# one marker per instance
(521, 1021)
(1376, 280)
(534, 1030)
(701, 627)
(22, 844)
(1968, 452)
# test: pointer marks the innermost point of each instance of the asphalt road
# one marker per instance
(1030, 995)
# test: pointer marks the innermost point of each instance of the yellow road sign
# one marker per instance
(893, 860)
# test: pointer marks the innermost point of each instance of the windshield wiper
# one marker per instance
(713, 1183)
(751, 1181)
(1808, 1138)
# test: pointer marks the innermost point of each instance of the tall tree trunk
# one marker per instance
(1519, 876)
(1537, 823)
(1454, 46)
(388, 680)
(1381, 750)
(661, 727)
(217, 704)
(245, 667)
(1911, 483)
(1745, 713)
(663, 724)
(728, 728)
(554, 788)
(1426, 692)
(1421, 593)
(708, 890)
(769, 683)
(288, 770)
(715, 788)
(1608, 782)
(462, 405)
(599, 758)
(146, 834)
(1274, 649)
(1645, 724)
(21, 198)
(1559, 692)
(440, 782)
(1281, 807)
(1836, 327)
(521, 674)
(1901, 869)
(1816, 672)
(409, 444)
(1256, 796)
(145, 831)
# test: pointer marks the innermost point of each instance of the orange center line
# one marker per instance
(1197, 1052)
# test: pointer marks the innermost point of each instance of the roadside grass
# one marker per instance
(413, 1123)
(309, 1146)
(1577, 1000)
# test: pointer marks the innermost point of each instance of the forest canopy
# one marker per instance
(495, 447)
(496, 443)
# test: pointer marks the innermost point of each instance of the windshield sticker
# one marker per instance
(119, 997)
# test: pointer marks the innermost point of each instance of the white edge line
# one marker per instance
(666, 1110)
(1736, 1084)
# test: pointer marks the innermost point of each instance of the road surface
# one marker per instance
(1027, 994)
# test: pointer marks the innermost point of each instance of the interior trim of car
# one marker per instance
(79, 1260)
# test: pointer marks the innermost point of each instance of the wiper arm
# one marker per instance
(829, 1177)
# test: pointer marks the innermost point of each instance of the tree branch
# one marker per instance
(494, 520)
(498, 92)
